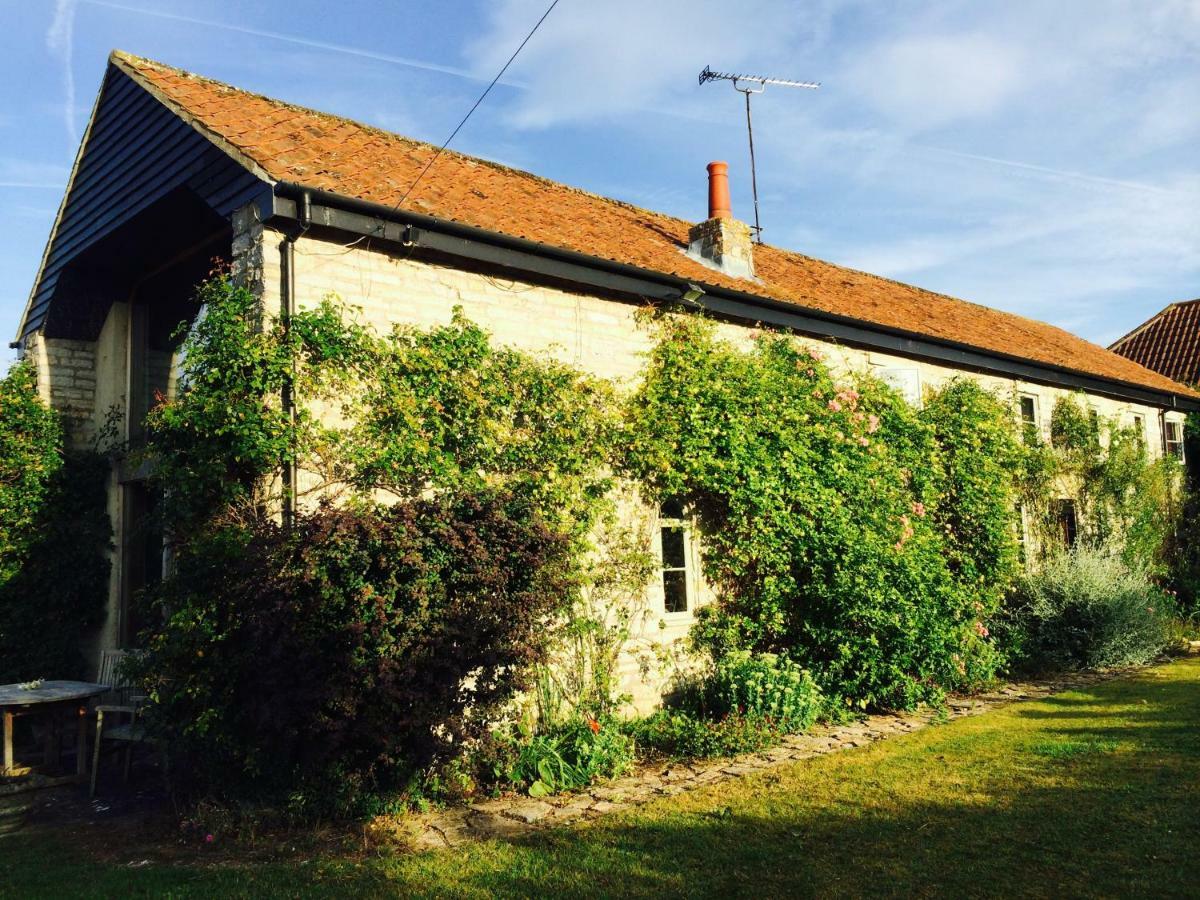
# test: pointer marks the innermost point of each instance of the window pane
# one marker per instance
(675, 590)
(1174, 439)
(1028, 410)
(1066, 522)
(672, 548)
(672, 509)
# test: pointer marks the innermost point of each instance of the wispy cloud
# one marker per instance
(406, 61)
(1057, 174)
(60, 40)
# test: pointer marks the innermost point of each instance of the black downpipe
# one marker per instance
(287, 265)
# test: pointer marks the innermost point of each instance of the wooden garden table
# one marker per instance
(48, 698)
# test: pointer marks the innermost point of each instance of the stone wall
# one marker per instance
(66, 377)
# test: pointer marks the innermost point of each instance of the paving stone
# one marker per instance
(496, 805)
(430, 839)
(603, 806)
(737, 770)
(566, 813)
(529, 811)
(677, 773)
(578, 803)
(604, 792)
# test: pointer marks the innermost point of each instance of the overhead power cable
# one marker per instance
(482, 96)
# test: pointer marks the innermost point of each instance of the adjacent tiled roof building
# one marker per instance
(1169, 343)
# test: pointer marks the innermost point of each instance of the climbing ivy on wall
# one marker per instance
(402, 414)
(1125, 499)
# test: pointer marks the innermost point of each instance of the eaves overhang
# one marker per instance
(311, 206)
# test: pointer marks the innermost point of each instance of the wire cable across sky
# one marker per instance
(486, 91)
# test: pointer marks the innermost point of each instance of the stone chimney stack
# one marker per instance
(722, 242)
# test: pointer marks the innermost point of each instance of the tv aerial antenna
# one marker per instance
(747, 85)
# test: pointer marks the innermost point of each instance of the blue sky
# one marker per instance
(1037, 157)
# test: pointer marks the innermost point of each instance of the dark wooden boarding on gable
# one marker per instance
(147, 188)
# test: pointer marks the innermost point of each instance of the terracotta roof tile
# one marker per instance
(331, 153)
(1169, 343)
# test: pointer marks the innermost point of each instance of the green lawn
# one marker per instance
(1090, 793)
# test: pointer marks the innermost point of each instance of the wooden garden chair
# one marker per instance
(117, 714)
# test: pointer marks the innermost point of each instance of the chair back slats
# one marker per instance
(111, 674)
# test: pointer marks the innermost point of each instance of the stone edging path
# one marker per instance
(514, 816)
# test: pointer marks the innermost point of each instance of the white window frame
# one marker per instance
(691, 594)
(1167, 443)
(1037, 412)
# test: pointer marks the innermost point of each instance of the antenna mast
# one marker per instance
(746, 85)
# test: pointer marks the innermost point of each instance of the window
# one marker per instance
(1139, 428)
(1022, 525)
(1064, 515)
(1173, 438)
(673, 534)
(1031, 425)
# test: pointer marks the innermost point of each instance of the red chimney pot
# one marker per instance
(719, 206)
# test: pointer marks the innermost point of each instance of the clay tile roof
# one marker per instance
(291, 143)
(1169, 343)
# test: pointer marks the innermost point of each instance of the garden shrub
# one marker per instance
(52, 508)
(337, 660)
(218, 447)
(819, 508)
(981, 459)
(444, 408)
(1086, 609)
